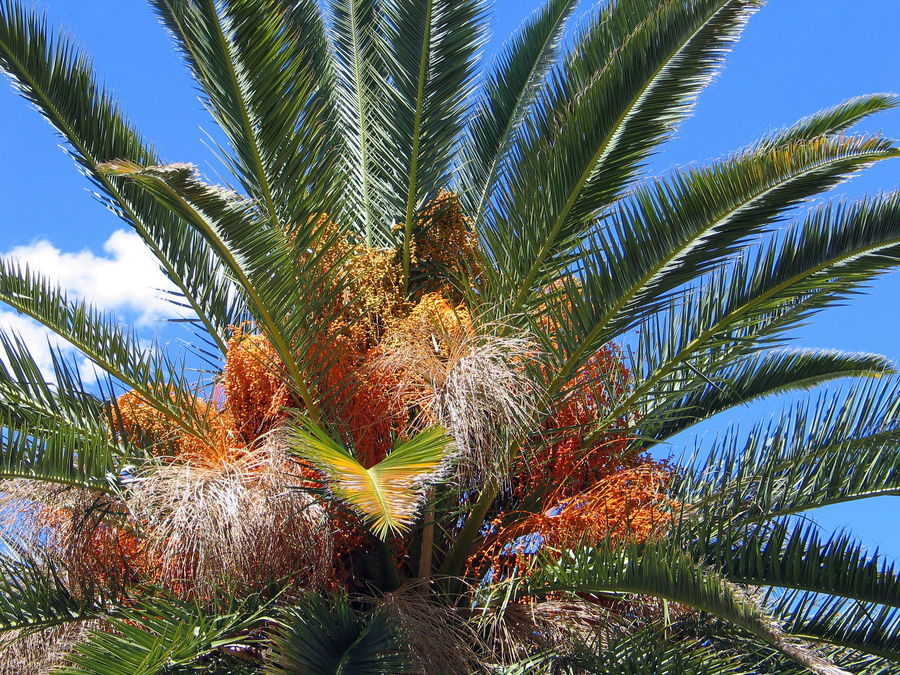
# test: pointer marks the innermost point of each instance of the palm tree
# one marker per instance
(440, 317)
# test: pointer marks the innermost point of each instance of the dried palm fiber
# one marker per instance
(473, 384)
(85, 534)
(511, 631)
(41, 652)
(241, 518)
(439, 638)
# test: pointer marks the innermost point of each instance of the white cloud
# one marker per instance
(39, 341)
(125, 280)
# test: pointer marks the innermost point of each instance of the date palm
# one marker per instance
(420, 449)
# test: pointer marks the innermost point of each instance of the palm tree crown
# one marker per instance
(441, 316)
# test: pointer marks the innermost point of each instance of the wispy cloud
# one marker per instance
(124, 280)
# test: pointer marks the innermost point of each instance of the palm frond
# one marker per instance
(662, 570)
(388, 495)
(754, 301)
(674, 230)
(52, 73)
(62, 453)
(162, 633)
(26, 392)
(317, 636)
(431, 58)
(630, 76)
(33, 594)
(838, 447)
(267, 74)
(363, 94)
(282, 291)
(758, 375)
(866, 627)
(115, 350)
(834, 120)
(508, 93)
(650, 651)
(793, 554)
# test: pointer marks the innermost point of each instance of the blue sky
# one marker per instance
(796, 57)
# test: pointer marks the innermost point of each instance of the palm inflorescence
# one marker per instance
(443, 326)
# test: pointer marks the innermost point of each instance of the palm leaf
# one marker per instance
(758, 375)
(508, 92)
(792, 554)
(159, 634)
(116, 351)
(388, 495)
(837, 448)
(57, 396)
(663, 571)
(631, 74)
(282, 292)
(266, 72)
(650, 651)
(51, 73)
(764, 293)
(834, 120)
(33, 594)
(674, 230)
(65, 454)
(332, 638)
(431, 57)
(873, 629)
(363, 94)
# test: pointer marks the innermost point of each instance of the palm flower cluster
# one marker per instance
(443, 330)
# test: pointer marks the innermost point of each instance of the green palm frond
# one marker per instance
(866, 627)
(650, 651)
(33, 594)
(753, 302)
(264, 261)
(161, 634)
(508, 93)
(265, 72)
(431, 58)
(674, 230)
(837, 448)
(758, 375)
(52, 73)
(388, 495)
(629, 77)
(114, 349)
(793, 554)
(834, 120)
(62, 453)
(318, 636)
(363, 95)
(663, 571)
(57, 396)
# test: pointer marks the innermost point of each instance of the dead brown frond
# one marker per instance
(474, 384)
(440, 639)
(237, 519)
(40, 652)
(512, 630)
(84, 533)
